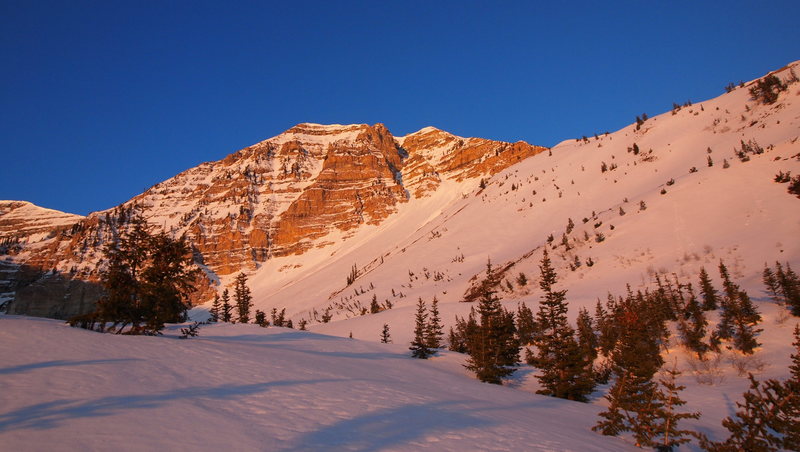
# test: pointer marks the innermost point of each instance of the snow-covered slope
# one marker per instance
(247, 388)
(436, 245)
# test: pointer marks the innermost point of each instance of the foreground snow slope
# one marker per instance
(249, 388)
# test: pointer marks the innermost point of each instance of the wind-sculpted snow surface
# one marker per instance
(241, 387)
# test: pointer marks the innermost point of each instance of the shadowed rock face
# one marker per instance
(276, 198)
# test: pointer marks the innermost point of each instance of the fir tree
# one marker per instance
(385, 337)
(374, 307)
(671, 435)
(526, 325)
(261, 319)
(465, 329)
(434, 329)
(727, 305)
(227, 308)
(492, 347)
(147, 280)
(606, 332)
(789, 285)
(565, 372)
(634, 402)
(216, 309)
(707, 291)
(419, 346)
(692, 325)
(587, 338)
(244, 301)
(771, 283)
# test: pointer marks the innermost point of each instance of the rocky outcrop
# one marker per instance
(279, 197)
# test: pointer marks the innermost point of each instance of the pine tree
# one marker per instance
(385, 337)
(434, 329)
(771, 283)
(606, 333)
(634, 401)
(565, 373)
(261, 318)
(216, 309)
(587, 338)
(767, 418)
(465, 330)
(707, 291)
(419, 346)
(789, 284)
(492, 347)
(526, 325)
(671, 435)
(374, 307)
(727, 305)
(794, 368)
(692, 325)
(244, 301)
(147, 280)
(227, 308)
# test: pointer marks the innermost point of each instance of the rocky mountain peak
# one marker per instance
(282, 196)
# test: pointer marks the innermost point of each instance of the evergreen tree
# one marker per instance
(771, 283)
(465, 330)
(167, 281)
(227, 308)
(526, 325)
(565, 372)
(374, 307)
(587, 338)
(671, 435)
(692, 325)
(244, 301)
(261, 318)
(607, 337)
(794, 368)
(216, 309)
(727, 305)
(707, 291)
(419, 346)
(789, 285)
(385, 337)
(147, 280)
(492, 347)
(634, 402)
(434, 329)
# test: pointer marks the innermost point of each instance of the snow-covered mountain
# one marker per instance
(311, 187)
(416, 216)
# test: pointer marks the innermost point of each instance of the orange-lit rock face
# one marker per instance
(276, 198)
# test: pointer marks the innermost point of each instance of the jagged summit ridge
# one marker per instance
(311, 186)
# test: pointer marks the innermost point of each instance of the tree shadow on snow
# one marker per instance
(52, 414)
(391, 428)
(60, 363)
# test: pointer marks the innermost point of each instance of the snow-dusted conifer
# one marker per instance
(419, 346)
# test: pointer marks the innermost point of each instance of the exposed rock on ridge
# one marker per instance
(279, 197)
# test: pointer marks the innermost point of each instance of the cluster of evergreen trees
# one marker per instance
(629, 333)
(767, 418)
(222, 308)
(147, 281)
(783, 285)
(428, 330)
(489, 335)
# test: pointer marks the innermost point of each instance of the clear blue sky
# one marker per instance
(99, 100)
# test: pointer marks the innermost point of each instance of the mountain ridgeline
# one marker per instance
(280, 197)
